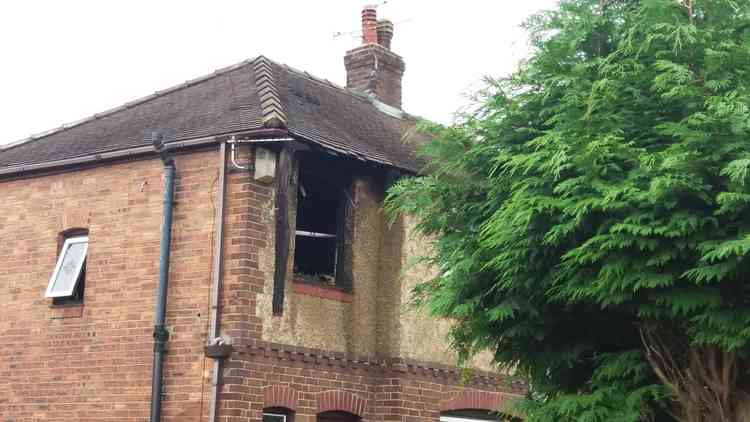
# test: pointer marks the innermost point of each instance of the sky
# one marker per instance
(67, 60)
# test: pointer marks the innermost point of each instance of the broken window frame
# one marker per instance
(341, 183)
(79, 270)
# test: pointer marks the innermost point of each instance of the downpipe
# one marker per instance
(161, 335)
(213, 335)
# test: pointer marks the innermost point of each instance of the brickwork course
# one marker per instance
(358, 351)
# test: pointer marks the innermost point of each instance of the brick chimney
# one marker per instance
(373, 68)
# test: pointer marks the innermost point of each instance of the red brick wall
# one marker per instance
(247, 226)
(309, 381)
(93, 362)
(386, 83)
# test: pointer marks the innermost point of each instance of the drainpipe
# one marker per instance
(160, 332)
(216, 278)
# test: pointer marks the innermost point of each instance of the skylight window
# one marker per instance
(69, 269)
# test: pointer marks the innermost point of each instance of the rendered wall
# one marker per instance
(322, 317)
(310, 358)
(376, 320)
(92, 362)
(421, 336)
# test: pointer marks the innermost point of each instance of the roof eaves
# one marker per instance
(359, 155)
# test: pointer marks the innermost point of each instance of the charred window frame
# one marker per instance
(324, 202)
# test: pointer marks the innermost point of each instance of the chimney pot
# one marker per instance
(369, 25)
(385, 33)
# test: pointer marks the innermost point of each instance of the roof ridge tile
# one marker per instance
(273, 115)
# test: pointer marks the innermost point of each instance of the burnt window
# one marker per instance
(319, 237)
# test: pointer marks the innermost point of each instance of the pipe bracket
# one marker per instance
(161, 336)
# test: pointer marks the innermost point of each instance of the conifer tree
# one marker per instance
(591, 217)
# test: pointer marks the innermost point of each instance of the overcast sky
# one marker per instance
(66, 60)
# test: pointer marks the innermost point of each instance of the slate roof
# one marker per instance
(254, 94)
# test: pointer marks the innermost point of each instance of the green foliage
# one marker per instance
(603, 185)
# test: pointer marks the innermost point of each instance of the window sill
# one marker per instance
(322, 291)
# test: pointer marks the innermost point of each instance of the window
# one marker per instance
(277, 414)
(66, 283)
(274, 417)
(337, 416)
(319, 237)
(475, 416)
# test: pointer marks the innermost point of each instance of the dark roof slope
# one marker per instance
(233, 99)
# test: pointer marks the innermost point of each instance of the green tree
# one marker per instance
(591, 217)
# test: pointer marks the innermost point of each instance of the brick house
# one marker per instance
(218, 251)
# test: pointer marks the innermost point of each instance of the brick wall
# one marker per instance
(311, 381)
(93, 361)
(320, 354)
(374, 69)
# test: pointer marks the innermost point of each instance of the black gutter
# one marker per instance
(161, 335)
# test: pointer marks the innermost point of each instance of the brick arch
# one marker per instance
(479, 400)
(280, 396)
(337, 400)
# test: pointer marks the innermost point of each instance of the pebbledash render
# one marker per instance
(218, 251)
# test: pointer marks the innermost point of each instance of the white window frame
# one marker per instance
(314, 234)
(275, 414)
(464, 419)
(63, 252)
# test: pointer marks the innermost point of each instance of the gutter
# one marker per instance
(140, 151)
(271, 134)
(161, 335)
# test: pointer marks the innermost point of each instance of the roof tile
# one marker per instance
(250, 95)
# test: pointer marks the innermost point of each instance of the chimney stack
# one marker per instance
(373, 68)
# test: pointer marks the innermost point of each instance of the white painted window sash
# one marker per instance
(53, 280)
(314, 234)
(277, 415)
(460, 419)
